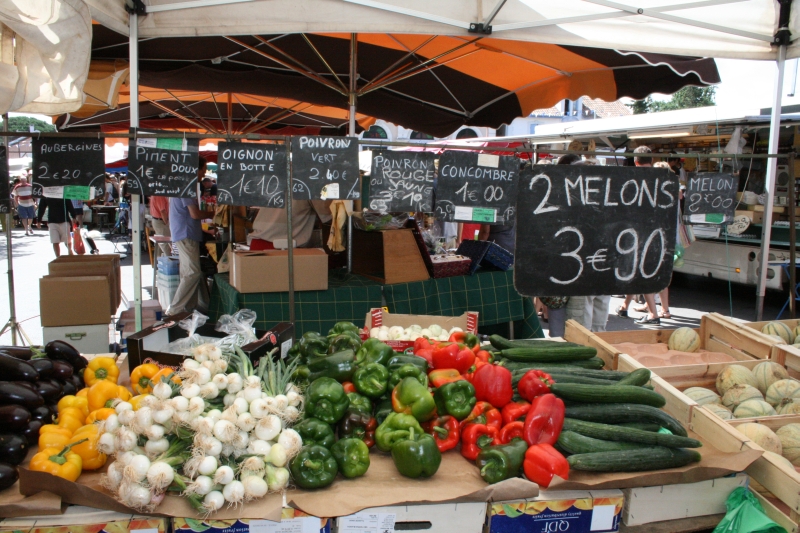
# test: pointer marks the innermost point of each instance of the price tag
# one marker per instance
(366, 522)
(77, 192)
(482, 214)
(306, 524)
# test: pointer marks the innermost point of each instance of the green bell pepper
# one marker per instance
(341, 327)
(359, 402)
(312, 345)
(374, 351)
(417, 456)
(345, 341)
(383, 409)
(315, 431)
(326, 400)
(413, 398)
(456, 399)
(407, 371)
(503, 461)
(339, 366)
(371, 380)
(313, 468)
(352, 456)
(395, 428)
(396, 361)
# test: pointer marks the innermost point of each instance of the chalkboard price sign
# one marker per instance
(710, 198)
(5, 199)
(476, 188)
(325, 168)
(251, 174)
(62, 162)
(163, 166)
(595, 230)
(402, 181)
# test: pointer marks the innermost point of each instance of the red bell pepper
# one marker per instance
(493, 384)
(542, 462)
(475, 438)
(483, 355)
(511, 431)
(441, 376)
(427, 354)
(484, 413)
(464, 337)
(453, 356)
(515, 411)
(446, 432)
(534, 383)
(349, 387)
(422, 343)
(544, 420)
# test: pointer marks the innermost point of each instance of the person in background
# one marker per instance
(23, 199)
(187, 232)
(59, 214)
(159, 210)
(270, 223)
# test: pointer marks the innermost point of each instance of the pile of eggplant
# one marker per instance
(33, 380)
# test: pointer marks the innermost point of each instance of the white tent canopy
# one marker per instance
(743, 29)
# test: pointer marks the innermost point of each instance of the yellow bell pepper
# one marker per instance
(100, 414)
(141, 378)
(70, 420)
(51, 436)
(168, 373)
(88, 428)
(79, 402)
(59, 462)
(84, 443)
(100, 369)
(83, 393)
(101, 393)
(136, 401)
(124, 393)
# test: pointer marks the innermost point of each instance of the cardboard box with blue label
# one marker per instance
(292, 521)
(559, 512)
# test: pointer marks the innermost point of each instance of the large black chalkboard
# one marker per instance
(251, 174)
(5, 190)
(402, 181)
(476, 188)
(325, 168)
(710, 198)
(163, 166)
(63, 162)
(595, 230)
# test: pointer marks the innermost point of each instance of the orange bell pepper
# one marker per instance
(101, 394)
(100, 369)
(142, 378)
(79, 402)
(83, 393)
(124, 393)
(167, 373)
(58, 461)
(100, 414)
(84, 443)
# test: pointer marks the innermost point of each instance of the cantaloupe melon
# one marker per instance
(761, 435)
(790, 442)
(754, 408)
(790, 408)
(767, 373)
(684, 340)
(734, 375)
(796, 332)
(780, 329)
(719, 410)
(738, 394)
(778, 338)
(779, 459)
(783, 391)
(702, 395)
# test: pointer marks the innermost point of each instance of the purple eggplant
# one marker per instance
(45, 368)
(13, 448)
(16, 370)
(18, 352)
(50, 390)
(14, 417)
(68, 388)
(61, 351)
(31, 432)
(42, 413)
(77, 380)
(8, 475)
(20, 393)
(62, 370)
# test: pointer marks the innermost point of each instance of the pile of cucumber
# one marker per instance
(613, 419)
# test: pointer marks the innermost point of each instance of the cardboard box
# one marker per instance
(95, 268)
(87, 339)
(112, 259)
(74, 301)
(292, 520)
(149, 343)
(268, 270)
(380, 317)
(644, 505)
(559, 511)
(77, 519)
(390, 256)
(435, 518)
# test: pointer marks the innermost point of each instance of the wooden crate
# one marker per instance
(389, 256)
(717, 334)
(756, 327)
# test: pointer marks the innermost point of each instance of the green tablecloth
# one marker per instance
(349, 297)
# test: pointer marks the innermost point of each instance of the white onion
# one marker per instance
(123, 458)
(123, 406)
(268, 427)
(294, 398)
(204, 425)
(155, 432)
(149, 401)
(258, 408)
(240, 441)
(291, 414)
(254, 487)
(221, 381)
(190, 391)
(208, 465)
(277, 455)
(224, 431)
(196, 406)
(201, 486)
(155, 447)
(180, 403)
(111, 424)
(233, 492)
(126, 417)
(246, 422)
(107, 443)
(160, 475)
(213, 501)
(162, 391)
(209, 365)
(241, 405)
(258, 447)
(223, 475)
(126, 439)
(291, 441)
(252, 464)
(163, 415)
(203, 375)
(136, 470)
(220, 366)
(252, 393)
(277, 478)
(190, 364)
(135, 495)
(214, 414)
(113, 477)
(235, 383)
(209, 390)
(281, 402)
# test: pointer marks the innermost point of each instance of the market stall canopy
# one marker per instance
(715, 28)
(429, 83)
(44, 55)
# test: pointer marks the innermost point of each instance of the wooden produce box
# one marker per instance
(717, 334)
(389, 256)
(778, 349)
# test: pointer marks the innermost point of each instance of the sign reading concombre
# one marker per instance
(595, 230)
(251, 174)
(325, 168)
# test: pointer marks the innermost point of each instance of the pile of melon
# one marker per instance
(741, 393)
(785, 442)
(782, 333)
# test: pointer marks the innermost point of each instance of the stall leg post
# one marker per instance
(351, 130)
(792, 237)
(133, 48)
(289, 232)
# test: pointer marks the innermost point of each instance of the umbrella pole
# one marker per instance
(772, 164)
(289, 229)
(133, 50)
(351, 131)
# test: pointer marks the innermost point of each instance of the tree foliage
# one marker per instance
(685, 98)
(24, 123)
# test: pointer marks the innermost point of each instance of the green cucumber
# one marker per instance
(644, 426)
(590, 369)
(613, 394)
(644, 459)
(567, 378)
(501, 343)
(552, 354)
(616, 433)
(637, 378)
(625, 412)
(572, 442)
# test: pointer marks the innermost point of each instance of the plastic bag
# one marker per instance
(374, 221)
(239, 328)
(745, 515)
(190, 324)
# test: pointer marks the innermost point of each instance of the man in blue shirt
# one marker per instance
(187, 232)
